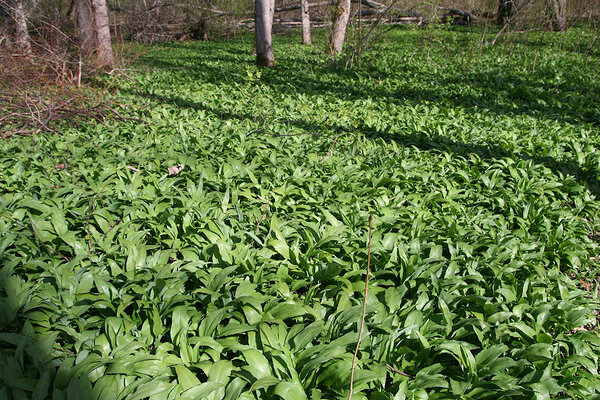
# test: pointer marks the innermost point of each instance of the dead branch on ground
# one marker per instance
(27, 112)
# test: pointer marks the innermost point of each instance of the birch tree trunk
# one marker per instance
(105, 54)
(341, 14)
(305, 22)
(85, 21)
(21, 34)
(559, 14)
(263, 24)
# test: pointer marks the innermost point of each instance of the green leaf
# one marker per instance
(40, 392)
(486, 356)
(186, 378)
(59, 222)
(290, 391)
(264, 382)
(149, 389)
(257, 363)
(202, 391)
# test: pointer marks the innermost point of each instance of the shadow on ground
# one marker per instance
(543, 94)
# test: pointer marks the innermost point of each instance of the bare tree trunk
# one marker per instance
(305, 22)
(263, 24)
(341, 14)
(85, 21)
(105, 54)
(506, 8)
(21, 34)
(559, 14)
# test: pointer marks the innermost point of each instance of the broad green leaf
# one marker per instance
(290, 391)
(186, 378)
(257, 363)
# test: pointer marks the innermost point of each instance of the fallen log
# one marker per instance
(370, 3)
(458, 17)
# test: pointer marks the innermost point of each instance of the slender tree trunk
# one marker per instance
(506, 8)
(559, 14)
(305, 22)
(341, 14)
(21, 34)
(85, 21)
(105, 54)
(263, 24)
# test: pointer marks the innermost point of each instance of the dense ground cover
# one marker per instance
(243, 275)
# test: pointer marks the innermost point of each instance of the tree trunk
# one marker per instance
(305, 22)
(21, 34)
(263, 24)
(506, 9)
(559, 14)
(85, 21)
(341, 14)
(105, 54)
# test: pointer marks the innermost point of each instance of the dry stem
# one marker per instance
(362, 321)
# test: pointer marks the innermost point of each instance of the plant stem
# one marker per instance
(362, 321)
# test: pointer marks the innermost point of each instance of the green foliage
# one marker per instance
(242, 276)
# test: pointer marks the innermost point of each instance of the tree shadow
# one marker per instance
(548, 93)
(422, 141)
(542, 94)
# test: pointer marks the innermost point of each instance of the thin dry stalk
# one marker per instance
(510, 21)
(398, 371)
(362, 320)
(117, 222)
(330, 148)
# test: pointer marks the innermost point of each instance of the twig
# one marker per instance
(40, 240)
(64, 350)
(509, 21)
(362, 320)
(31, 113)
(331, 148)
(399, 372)
(111, 228)
(283, 134)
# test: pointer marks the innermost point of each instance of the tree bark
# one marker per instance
(305, 23)
(105, 53)
(85, 21)
(506, 8)
(341, 14)
(21, 34)
(263, 24)
(559, 14)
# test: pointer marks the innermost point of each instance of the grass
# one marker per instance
(242, 276)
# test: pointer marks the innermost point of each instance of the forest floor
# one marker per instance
(212, 241)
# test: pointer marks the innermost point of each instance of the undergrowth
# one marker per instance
(241, 275)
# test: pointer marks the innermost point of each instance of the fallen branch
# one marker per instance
(297, 6)
(26, 113)
(283, 134)
(378, 7)
(398, 371)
